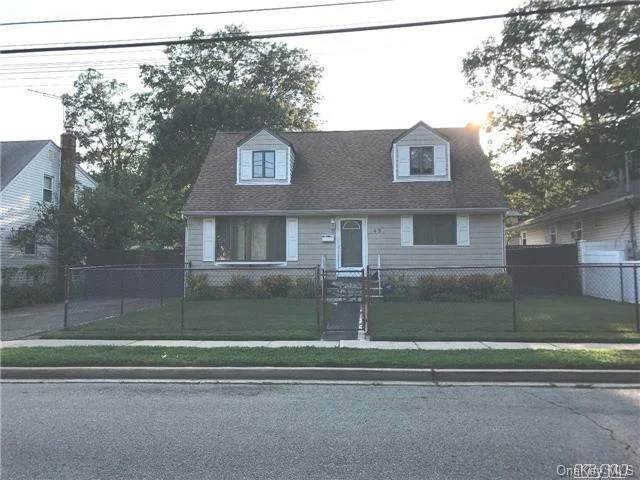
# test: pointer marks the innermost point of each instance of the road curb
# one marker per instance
(320, 373)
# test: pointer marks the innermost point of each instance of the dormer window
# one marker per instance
(421, 154)
(265, 158)
(264, 164)
(421, 159)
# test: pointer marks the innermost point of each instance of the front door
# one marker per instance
(351, 252)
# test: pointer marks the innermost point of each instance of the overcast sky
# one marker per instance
(387, 79)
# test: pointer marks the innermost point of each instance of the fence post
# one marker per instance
(514, 314)
(182, 302)
(635, 288)
(66, 295)
(161, 287)
(316, 293)
(121, 291)
(621, 285)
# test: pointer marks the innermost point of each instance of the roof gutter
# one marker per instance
(351, 211)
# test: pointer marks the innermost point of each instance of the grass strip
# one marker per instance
(317, 357)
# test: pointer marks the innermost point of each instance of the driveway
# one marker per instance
(31, 321)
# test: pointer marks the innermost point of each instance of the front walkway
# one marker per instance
(321, 343)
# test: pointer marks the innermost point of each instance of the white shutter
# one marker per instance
(406, 230)
(246, 161)
(440, 160)
(463, 229)
(208, 237)
(281, 164)
(403, 161)
(292, 239)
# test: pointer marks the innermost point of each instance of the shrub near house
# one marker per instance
(33, 291)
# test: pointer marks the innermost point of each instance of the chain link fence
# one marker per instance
(286, 303)
(156, 301)
(417, 303)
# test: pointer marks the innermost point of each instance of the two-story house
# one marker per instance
(30, 175)
(408, 198)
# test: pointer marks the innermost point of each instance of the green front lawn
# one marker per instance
(537, 318)
(264, 319)
(316, 357)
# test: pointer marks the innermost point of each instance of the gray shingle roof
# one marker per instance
(348, 170)
(593, 202)
(14, 156)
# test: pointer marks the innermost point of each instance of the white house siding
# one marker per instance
(19, 203)
(607, 226)
(486, 244)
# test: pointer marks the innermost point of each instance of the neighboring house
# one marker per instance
(30, 175)
(609, 216)
(415, 198)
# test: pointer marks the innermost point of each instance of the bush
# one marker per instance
(8, 274)
(26, 295)
(303, 288)
(467, 288)
(243, 287)
(277, 285)
(197, 286)
(433, 285)
(36, 273)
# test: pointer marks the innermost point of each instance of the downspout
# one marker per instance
(634, 243)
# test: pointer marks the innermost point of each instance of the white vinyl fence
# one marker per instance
(611, 276)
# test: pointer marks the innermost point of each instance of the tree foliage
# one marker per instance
(567, 90)
(104, 116)
(206, 87)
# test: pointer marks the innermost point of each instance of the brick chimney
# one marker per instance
(67, 190)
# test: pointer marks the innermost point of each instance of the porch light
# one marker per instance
(332, 224)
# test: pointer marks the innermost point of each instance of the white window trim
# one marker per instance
(440, 247)
(574, 229)
(232, 263)
(45, 176)
(205, 258)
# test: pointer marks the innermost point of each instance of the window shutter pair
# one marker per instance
(406, 230)
(246, 164)
(439, 160)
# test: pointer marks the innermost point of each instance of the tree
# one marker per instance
(104, 117)
(206, 87)
(567, 89)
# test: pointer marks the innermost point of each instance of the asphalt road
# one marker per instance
(207, 431)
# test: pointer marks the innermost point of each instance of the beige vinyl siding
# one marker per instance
(486, 245)
(486, 248)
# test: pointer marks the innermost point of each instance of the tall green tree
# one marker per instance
(218, 85)
(567, 92)
(104, 116)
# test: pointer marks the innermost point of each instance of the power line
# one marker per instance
(194, 14)
(235, 38)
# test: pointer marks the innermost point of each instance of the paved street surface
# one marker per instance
(196, 431)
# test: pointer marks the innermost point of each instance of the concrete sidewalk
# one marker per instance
(323, 344)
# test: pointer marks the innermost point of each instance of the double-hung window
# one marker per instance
(250, 239)
(421, 160)
(553, 234)
(264, 164)
(47, 189)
